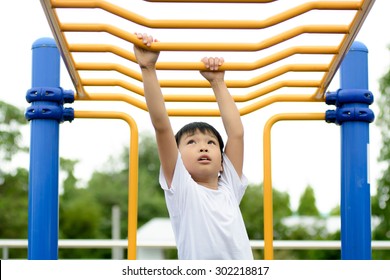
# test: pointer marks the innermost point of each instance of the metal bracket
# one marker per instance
(47, 103)
(352, 106)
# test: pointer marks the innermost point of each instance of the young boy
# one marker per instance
(203, 183)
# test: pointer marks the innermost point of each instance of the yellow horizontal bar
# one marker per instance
(113, 83)
(279, 98)
(103, 48)
(267, 181)
(245, 110)
(323, 50)
(207, 24)
(199, 97)
(248, 83)
(203, 112)
(257, 64)
(202, 83)
(113, 97)
(104, 66)
(206, 46)
(275, 86)
(132, 177)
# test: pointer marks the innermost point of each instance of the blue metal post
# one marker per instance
(355, 179)
(44, 159)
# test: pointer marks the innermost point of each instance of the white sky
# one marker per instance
(303, 153)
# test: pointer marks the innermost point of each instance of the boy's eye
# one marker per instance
(212, 142)
(190, 142)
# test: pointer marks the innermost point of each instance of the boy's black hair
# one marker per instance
(203, 127)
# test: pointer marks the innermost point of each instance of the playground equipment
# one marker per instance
(278, 37)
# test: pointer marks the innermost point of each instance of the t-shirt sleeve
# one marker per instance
(230, 179)
(180, 175)
(182, 183)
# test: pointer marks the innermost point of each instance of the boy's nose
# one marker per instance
(204, 150)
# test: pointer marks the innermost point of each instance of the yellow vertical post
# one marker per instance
(132, 177)
(267, 181)
(267, 196)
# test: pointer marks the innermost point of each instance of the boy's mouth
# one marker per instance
(204, 158)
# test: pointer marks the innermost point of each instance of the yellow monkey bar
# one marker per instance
(283, 47)
(348, 30)
(208, 24)
(133, 172)
(268, 206)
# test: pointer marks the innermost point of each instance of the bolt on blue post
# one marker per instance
(44, 158)
(355, 145)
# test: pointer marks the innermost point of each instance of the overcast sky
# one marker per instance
(303, 154)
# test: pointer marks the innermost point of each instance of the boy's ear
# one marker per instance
(220, 172)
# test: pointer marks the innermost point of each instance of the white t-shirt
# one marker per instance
(207, 223)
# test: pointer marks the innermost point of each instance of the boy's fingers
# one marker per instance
(146, 39)
(205, 60)
(212, 63)
(149, 40)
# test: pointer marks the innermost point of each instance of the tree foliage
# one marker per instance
(252, 208)
(381, 201)
(108, 188)
(13, 182)
(307, 203)
(151, 201)
(14, 204)
(11, 120)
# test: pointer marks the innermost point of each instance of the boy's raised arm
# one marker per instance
(230, 115)
(166, 142)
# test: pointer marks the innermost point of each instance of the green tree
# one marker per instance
(310, 226)
(14, 208)
(13, 180)
(110, 186)
(106, 188)
(381, 201)
(151, 201)
(79, 215)
(252, 208)
(11, 121)
(335, 211)
(70, 181)
(307, 203)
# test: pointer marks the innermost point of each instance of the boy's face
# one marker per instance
(201, 155)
